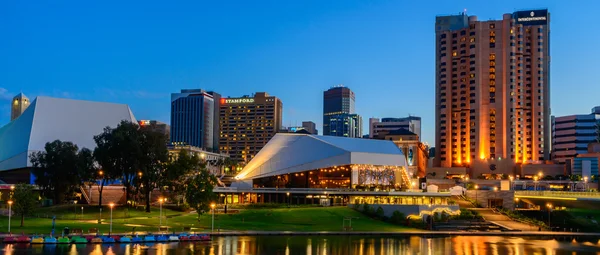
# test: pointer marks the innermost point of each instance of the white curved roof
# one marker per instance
(48, 119)
(291, 153)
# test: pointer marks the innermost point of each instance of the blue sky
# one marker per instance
(140, 52)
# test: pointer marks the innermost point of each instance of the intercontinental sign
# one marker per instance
(535, 17)
(243, 100)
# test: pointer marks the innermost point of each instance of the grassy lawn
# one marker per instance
(288, 219)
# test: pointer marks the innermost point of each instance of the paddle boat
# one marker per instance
(125, 239)
(137, 239)
(149, 238)
(117, 238)
(184, 238)
(79, 239)
(162, 238)
(96, 240)
(37, 240)
(10, 239)
(23, 239)
(173, 238)
(50, 240)
(64, 240)
(107, 239)
(204, 237)
(89, 238)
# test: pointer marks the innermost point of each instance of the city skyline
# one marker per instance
(294, 51)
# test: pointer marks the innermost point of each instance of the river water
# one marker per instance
(331, 245)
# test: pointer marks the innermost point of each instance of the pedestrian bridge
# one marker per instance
(559, 195)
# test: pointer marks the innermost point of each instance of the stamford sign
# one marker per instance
(535, 17)
(237, 100)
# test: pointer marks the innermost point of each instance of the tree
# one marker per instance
(179, 171)
(60, 168)
(25, 200)
(153, 161)
(199, 192)
(118, 151)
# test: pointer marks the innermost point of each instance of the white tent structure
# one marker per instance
(48, 119)
(289, 153)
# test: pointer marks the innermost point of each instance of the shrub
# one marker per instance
(379, 213)
(397, 218)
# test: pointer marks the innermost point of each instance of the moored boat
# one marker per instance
(23, 239)
(79, 239)
(162, 238)
(149, 238)
(107, 239)
(137, 239)
(125, 239)
(96, 240)
(63, 240)
(173, 238)
(50, 240)
(10, 239)
(37, 240)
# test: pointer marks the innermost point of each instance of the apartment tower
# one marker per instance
(492, 91)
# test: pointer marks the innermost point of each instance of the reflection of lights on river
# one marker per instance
(309, 246)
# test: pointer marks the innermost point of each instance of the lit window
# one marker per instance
(454, 53)
(472, 39)
(492, 56)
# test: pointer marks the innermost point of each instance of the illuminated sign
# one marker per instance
(534, 18)
(144, 122)
(244, 100)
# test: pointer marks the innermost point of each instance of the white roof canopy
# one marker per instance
(291, 153)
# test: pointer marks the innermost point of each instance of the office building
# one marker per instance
(156, 126)
(572, 134)
(247, 123)
(336, 100)
(410, 123)
(311, 127)
(346, 125)
(192, 118)
(48, 119)
(18, 105)
(492, 91)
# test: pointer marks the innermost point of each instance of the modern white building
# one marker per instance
(312, 161)
(48, 119)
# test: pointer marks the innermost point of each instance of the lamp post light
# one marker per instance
(212, 206)
(10, 202)
(517, 202)
(495, 195)
(511, 178)
(82, 212)
(160, 202)
(288, 198)
(111, 212)
(549, 213)
(585, 179)
(75, 209)
(535, 180)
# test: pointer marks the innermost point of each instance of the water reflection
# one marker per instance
(329, 245)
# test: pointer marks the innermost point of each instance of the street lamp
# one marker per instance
(213, 217)
(111, 210)
(585, 179)
(160, 202)
(288, 198)
(10, 202)
(510, 177)
(75, 209)
(535, 179)
(549, 212)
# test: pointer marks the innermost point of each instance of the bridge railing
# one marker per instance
(557, 193)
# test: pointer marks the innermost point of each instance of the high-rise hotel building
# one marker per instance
(247, 124)
(492, 90)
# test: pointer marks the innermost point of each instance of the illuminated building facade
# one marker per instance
(415, 152)
(492, 91)
(18, 105)
(247, 123)
(337, 100)
(346, 125)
